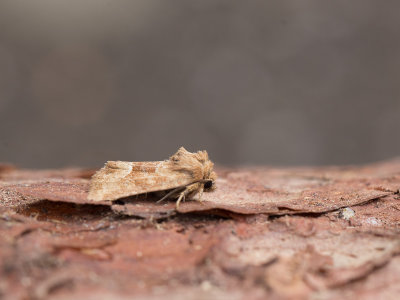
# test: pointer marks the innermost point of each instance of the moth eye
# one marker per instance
(208, 185)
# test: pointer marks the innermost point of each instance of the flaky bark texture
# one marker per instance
(299, 233)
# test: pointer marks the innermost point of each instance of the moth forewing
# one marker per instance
(119, 179)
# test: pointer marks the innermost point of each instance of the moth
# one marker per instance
(183, 175)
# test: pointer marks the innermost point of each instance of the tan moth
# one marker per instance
(184, 174)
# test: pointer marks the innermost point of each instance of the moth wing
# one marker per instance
(119, 179)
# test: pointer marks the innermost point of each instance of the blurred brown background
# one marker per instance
(271, 82)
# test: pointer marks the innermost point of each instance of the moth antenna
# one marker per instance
(174, 191)
(182, 188)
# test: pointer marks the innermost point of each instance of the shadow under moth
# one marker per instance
(183, 175)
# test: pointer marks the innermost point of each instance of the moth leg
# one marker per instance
(201, 193)
(182, 196)
(189, 190)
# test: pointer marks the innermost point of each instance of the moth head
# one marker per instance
(209, 185)
(209, 175)
(198, 164)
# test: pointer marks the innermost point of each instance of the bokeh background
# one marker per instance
(305, 82)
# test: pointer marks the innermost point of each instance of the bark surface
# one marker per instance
(284, 233)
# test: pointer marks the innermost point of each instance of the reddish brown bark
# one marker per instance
(263, 232)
